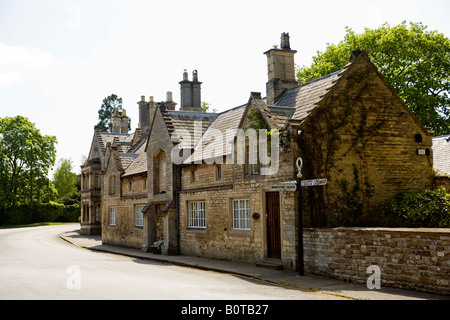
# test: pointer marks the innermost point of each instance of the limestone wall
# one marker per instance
(415, 259)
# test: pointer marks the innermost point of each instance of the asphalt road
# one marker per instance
(35, 263)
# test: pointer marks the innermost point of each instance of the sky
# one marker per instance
(59, 58)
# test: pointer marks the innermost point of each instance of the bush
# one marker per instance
(41, 212)
(428, 209)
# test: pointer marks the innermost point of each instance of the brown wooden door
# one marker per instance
(273, 225)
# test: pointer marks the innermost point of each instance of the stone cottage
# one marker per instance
(349, 128)
(225, 185)
(91, 172)
(163, 172)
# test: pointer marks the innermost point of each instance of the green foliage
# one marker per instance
(206, 106)
(41, 212)
(428, 209)
(415, 61)
(106, 112)
(26, 157)
(64, 179)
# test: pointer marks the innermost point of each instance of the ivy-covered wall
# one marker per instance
(364, 140)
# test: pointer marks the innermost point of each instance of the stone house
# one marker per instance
(208, 185)
(348, 127)
(161, 210)
(91, 172)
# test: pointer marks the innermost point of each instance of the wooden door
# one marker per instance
(273, 225)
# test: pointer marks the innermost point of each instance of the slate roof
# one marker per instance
(228, 120)
(306, 96)
(124, 140)
(138, 162)
(441, 154)
(177, 120)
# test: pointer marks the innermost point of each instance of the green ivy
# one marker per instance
(428, 209)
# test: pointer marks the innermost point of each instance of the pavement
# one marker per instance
(285, 278)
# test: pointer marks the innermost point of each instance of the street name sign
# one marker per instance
(314, 183)
(283, 187)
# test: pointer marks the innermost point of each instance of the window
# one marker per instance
(193, 176)
(241, 214)
(112, 216)
(112, 185)
(97, 214)
(251, 166)
(159, 173)
(218, 172)
(144, 184)
(197, 214)
(97, 181)
(139, 216)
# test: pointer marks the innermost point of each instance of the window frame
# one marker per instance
(241, 215)
(139, 215)
(112, 217)
(199, 211)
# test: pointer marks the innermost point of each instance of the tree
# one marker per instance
(106, 112)
(206, 106)
(416, 63)
(25, 159)
(64, 179)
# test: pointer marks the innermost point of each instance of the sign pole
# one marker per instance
(301, 267)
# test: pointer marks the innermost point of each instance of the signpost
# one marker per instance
(303, 183)
(314, 183)
(287, 186)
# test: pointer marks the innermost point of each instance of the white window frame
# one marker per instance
(138, 215)
(241, 214)
(197, 214)
(112, 216)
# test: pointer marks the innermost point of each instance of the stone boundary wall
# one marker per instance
(414, 259)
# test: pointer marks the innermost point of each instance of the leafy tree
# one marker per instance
(415, 61)
(106, 112)
(64, 179)
(25, 159)
(206, 106)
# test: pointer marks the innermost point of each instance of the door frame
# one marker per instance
(273, 226)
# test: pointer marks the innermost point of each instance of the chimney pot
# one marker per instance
(143, 98)
(169, 96)
(285, 42)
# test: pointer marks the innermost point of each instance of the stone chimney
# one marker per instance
(144, 115)
(191, 93)
(124, 122)
(170, 104)
(116, 122)
(281, 69)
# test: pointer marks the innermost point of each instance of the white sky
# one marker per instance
(59, 59)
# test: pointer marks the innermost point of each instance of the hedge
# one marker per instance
(41, 212)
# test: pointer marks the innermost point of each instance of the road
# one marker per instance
(35, 263)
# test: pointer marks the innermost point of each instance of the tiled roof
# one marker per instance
(124, 140)
(306, 96)
(178, 120)
(226, 122)
(138, 163)
(441, 154)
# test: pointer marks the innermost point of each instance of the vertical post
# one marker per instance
(301, 267)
